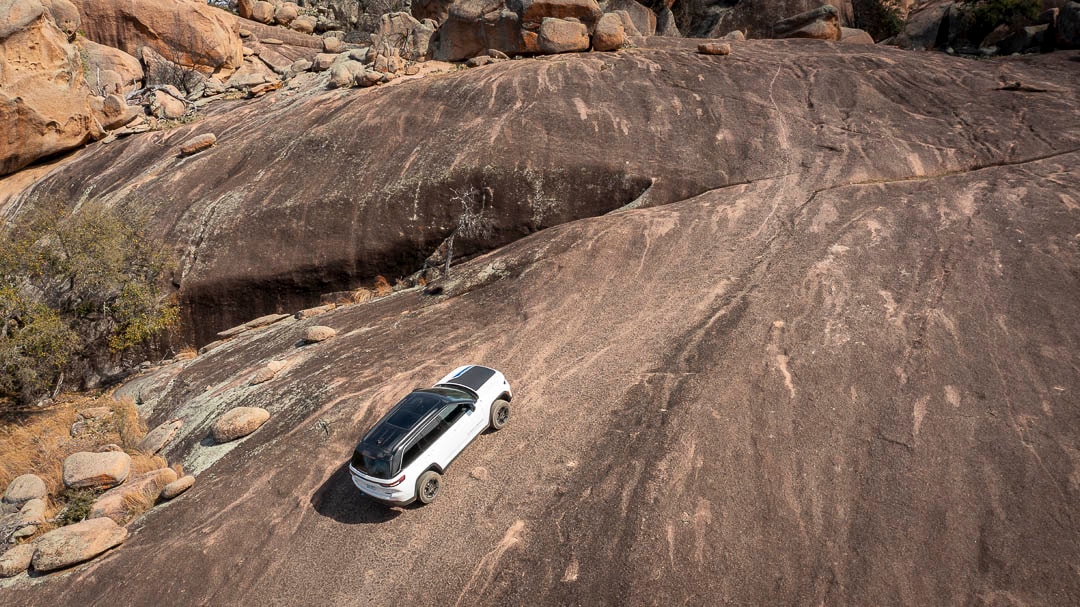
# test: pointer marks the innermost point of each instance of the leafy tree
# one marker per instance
(76, 286)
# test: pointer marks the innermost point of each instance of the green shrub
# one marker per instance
(77, 506)
(879, 18)
(76, 286)
(988, 14)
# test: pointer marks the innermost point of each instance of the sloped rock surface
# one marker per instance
(146, 486)
(847, 347)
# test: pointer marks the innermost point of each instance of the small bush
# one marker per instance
(986, 15)
(879, 18)
(77, 506)
(382, 287)
(138, 502)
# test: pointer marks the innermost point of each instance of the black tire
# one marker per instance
(500, 414)
(428, 486)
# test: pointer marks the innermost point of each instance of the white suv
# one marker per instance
(403, 457)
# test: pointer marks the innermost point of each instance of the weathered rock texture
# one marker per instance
(187, 32)
(145, 488)
(44, 100)
(238, 422)
(76, 543)
(16, 560)
(109, 70)
(832, 359)
(177, 487)
(84, 469)
(24, 488)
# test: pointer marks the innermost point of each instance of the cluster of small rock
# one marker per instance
(276, 12)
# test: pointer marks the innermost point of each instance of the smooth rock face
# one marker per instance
(44, 102)
(112, 503)
(537, 11)
(819, 24)
(665, 24)
(609, 34)
(263, 12)
(318, 333)
(92, 470)
(238, 422)
(198, 143)
(65, 15)
(177, 487)
(16, 560)
(156, 439)
(813, 304)
(76, 543)
(561, 36)
(188, 32)
(25, 488)
(924, 28)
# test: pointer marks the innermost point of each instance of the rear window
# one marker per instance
(379, 467)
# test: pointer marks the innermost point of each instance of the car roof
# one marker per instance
(408, 414)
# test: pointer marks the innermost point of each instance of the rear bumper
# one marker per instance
(402, 495)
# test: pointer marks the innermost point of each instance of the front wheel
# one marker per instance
(500, 414)
(427, 486)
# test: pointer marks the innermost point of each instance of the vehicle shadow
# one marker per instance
(340, 500)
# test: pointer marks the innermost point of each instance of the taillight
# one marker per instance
(394, 483)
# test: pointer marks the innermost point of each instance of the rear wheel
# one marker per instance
(428, 486)
(500, 414)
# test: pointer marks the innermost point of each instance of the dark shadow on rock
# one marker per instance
(343, 502)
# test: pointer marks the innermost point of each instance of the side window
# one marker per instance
(447, 416)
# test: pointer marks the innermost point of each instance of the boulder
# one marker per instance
(112, 112)
(369, 78)
(309, 312)
(267, 373)
(926, 27)
(238, 422)
(854, 35)
(609, 34)
(65, 15)
(177, 487)
(263, 12)
(299, 66)
(322, 62)
(76, 543)
(643, 18)
(1068, 26)
(403, 34)
(736, 35)
(628, 24)
(243, 8)
(167, 106)
(156, 439)
(305, 24)
(33, 512)
(714, 48)
(333, 45)
(24, 488)
(435, 10)
(114, 502)
(285, 13)
(822, 23)
(479, 60)
(193, 146)
(187, 32)
(562, 36)
(343, 75)
(108, 69)
(93, 470)
(534, 12)
(44, 98)
(16, 560)
(418, 45)
(318, 333)
(665, 24)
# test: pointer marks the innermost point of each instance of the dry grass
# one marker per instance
(360, 295)
(141, 462)
(138, 502)
(187, 353)
(34, 443)
(382, 286)
(179, 470)
(38, 442)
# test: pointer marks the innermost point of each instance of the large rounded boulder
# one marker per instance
(76, 543)
(85, 470)
(25, 488)
(237, 423)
